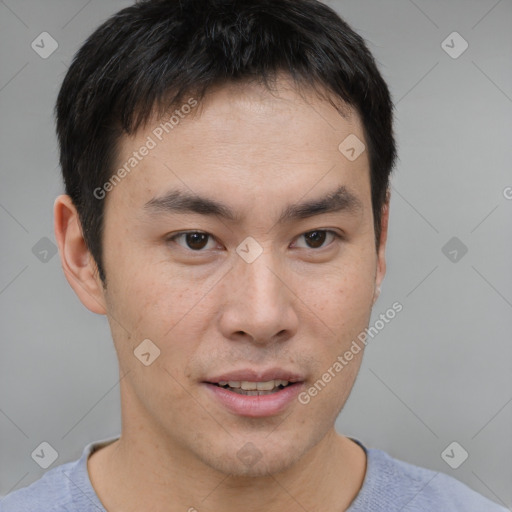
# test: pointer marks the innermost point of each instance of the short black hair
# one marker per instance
(145, 58)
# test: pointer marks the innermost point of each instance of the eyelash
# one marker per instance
(184, 233)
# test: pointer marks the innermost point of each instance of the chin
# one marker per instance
(255, 459)
(268, 465)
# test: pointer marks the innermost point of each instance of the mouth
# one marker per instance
(255, 394)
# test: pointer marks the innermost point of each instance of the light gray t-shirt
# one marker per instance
(390, 485)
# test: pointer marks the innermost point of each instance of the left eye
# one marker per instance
(315, 239)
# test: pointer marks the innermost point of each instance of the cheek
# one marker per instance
(144, 306)
(343, 296)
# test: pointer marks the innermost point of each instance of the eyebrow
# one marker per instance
(178, 201)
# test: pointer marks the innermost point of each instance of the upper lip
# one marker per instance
(252, 375)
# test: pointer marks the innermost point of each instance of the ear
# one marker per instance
(77, 262)
(381, 252)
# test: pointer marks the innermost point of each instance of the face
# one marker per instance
(242, 245)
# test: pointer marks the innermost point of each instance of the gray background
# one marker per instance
(439, 372)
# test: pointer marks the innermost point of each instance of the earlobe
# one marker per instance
(381, 254)
(376, 294)
(77, 262)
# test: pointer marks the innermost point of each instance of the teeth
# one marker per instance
(254, 386)
(266, 386)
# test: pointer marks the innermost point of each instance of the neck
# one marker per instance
(137, 473)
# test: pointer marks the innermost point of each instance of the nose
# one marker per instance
(259, 302)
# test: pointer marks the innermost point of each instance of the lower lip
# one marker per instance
(256, 406)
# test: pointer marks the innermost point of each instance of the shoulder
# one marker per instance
(52, 491)
(64, 488)
(392, 484)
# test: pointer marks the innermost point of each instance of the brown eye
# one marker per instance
(196, 241)
(315, 238)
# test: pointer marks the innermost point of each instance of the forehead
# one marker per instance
(244, 139)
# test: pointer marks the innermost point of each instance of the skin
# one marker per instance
(298, 306)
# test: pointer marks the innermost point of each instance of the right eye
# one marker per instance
(193, 240)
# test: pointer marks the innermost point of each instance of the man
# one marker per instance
(227, 175)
